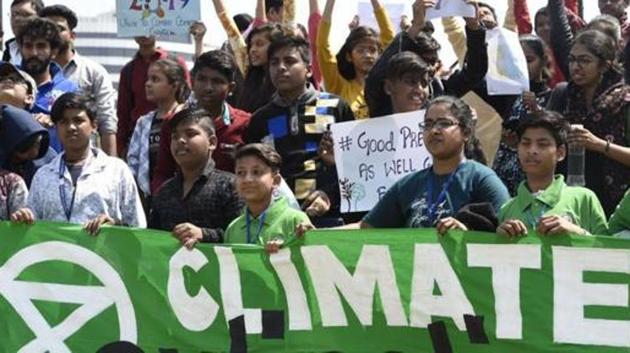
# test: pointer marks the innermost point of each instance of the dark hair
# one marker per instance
(303, 31)
(266, 153)
(72, 100)
(290, 40)
(486, 5)
(464, 114)
(549, 120)
(424, 43)
(256, 89)
(218, 60)
(176, 76)
(406, 62)
(40, 28)
(61, 11)
(36, 4)
(273, 4)
(193, 116)
(607, 24)
(428, 28)
(269, 29)
(538, 46)
(242, 20)
(346, 69)
(541, 12)
(600, 45)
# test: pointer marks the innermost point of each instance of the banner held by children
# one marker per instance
(64, 291)
(371, 155)
(160, 18)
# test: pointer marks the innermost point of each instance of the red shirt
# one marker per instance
(132, 99)
(227, 135)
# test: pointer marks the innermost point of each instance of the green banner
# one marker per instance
(62, 290)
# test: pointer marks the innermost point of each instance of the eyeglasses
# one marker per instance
(439, 124)
(581, 61)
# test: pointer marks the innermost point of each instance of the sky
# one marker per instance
(344, 11)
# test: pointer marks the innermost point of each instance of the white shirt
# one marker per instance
(92, 79)
(105, 186)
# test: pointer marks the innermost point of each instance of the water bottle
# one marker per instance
(575, 161)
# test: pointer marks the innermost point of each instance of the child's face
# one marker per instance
(255, 181)
(535, 64)
(14, 91)
(538, 152)
(157, 86)
(258, 49)
(74, 129)
(288, 71)
(211, 88)
(443, 135)
(191, 146)
(364, 55)
(408, 93)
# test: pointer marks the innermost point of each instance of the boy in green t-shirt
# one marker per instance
(619, 224)
(264, 221)
(544, 202)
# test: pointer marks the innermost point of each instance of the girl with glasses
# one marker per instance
(432, 196)
(597, 98)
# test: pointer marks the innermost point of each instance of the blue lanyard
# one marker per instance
(67, 209)
(433, 205)
(261, 223)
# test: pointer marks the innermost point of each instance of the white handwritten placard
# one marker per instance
(447, 8)
(373, 154)
(160, 18)
(508, 74)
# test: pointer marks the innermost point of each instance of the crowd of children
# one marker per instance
(239, 149)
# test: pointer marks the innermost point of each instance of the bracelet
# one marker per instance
(607, 148)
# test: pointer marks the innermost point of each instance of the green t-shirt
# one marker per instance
(620, 220)
(279, 222)
(579, 205)
(406, 204)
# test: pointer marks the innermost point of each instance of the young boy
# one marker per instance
(619, 224)
(213, 82)
(264, 220)
(544, 203)
(82, 185)
(200, 201)
(294, 122)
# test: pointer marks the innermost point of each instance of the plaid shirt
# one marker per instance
(211, 204)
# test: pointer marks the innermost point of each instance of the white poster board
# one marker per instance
(372, 154)
(395, 10)
(160, 18)
(507, 72)
(447, 8)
